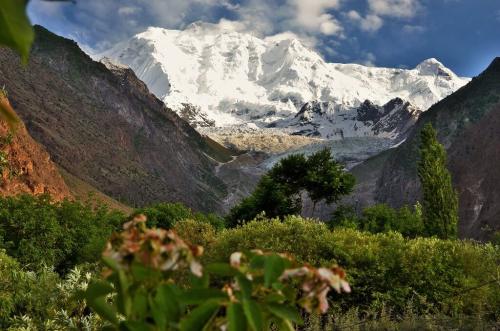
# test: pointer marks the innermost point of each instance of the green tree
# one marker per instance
(270, 197)
(440, 200)
(326, 179)
(278, 193)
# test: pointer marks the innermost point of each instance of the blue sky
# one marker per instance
(463, 34)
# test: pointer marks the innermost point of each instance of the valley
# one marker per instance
(158, 172)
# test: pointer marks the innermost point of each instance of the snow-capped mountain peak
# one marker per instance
(432, 67)
(233, 78)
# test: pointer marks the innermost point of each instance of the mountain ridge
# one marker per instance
(235, 78)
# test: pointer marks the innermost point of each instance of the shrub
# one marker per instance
(164, 215)
(41, 300)
(384, 269)
(381, 218)
(38, 231)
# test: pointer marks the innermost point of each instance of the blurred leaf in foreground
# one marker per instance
(16, 31)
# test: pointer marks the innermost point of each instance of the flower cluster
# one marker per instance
(158, 249)
(316, 283)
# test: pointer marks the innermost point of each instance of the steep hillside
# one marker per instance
(467, 124)
(25, 166)
(101, 125)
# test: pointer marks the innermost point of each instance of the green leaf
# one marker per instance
(136, 326)
(257, 262)
(199, 317)
(142, 273)
(275, 297)
(140, 304)
(221, 269)
(245, 286)
(199, 282)
(286, 325)
(123, 299)
(285, 312)
(273, 269)
(236, 317)
(16, 31)
(103, 309)
(253, 314)
(165, 307)
(110, 263)
(200, 295)
(98, 289)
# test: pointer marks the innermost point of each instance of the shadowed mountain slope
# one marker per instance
(467, 123)
(100, 124)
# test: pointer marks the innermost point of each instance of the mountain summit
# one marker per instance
(230, 78)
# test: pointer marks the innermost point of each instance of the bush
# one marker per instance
(261, 290)
(381, 218)
(164, 215)
(42, 300)
(38, 231)
(384, 269)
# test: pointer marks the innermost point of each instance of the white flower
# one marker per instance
(235, 259)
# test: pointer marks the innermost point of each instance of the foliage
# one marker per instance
(440, 200)
(137, 292)
(41, 300)
(38, 231)
(384, 319)
(384, 269)
(16, 31)
(344, 216)
(166, 215)
(278, 193)
(326, 179)
(272, 198)
(380, 218)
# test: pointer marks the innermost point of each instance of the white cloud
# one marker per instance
(330, 25)
(395, 8)
(369, 23)
(309, 41)
(313, 15)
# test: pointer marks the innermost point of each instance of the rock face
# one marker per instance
(467, 123)
(26, 167)
(101, 124)
(324, 120)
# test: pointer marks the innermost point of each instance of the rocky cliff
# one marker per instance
(25, 166)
